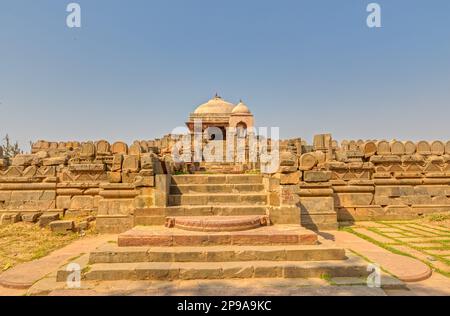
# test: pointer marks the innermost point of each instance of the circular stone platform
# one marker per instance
(217, 223)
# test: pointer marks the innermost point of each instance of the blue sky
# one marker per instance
(135, 69)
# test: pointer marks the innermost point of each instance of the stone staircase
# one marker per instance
(218, 195)
(112, 262)
(216, 227)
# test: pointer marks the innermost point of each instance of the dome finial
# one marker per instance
(217, 96)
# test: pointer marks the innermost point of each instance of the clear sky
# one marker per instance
(136, 69)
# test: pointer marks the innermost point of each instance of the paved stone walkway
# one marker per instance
(428, 243)
(404, 268)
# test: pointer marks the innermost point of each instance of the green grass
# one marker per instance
(399, 241)
(438, 217)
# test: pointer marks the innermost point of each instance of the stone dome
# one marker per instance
(241, 108)
(215, 106)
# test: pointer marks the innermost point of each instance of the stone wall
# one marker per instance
(317, 185)
(365, 180)
(80, 179)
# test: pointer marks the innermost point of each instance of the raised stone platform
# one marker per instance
(217, 223)
(267, 235)
(354, 267)
(111, 253)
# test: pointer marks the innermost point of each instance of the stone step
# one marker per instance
(217, 179)
(218, 223)
(215, 188)
(109, 253)
(266, 235)
(352, 267)
(202, 210)
(218, 199)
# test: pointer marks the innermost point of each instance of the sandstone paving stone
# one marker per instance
(389, 230)
(418, 232)
(114, 254)
(424, 257)
(433, 228)
(373, 235)
(430, 230)
(404, 268)
(413, 240)
(393, 235)
(439, 252)
(351, 266)
(266, 235)
(371, 224)
(428, 245)
(436, 285)
(386, 282)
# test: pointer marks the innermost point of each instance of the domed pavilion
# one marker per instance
(221, 114)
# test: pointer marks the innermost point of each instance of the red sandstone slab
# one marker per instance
(404, 268)
(217, 223)
(267, 235)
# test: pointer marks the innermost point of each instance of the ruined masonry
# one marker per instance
(222, 220)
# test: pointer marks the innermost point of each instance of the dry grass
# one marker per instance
(438, 219)
(22, 242)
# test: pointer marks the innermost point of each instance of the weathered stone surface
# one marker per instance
(288, 159)
(10, 218)
(316, 176)
(285, 215)
(317, 204)
(353, 199)
(82, 202)
(397, 148)
(103, 148)
(87, 150)
(135, 150)
(63, 202)
(437, 148)
(383, 148)
(290, 178)
(114, 177)
(22, 160)
(144, 201)
(116, 206)
(130, 163)
(31, 217)
(62, 226)
(307, 161)
(119, 148)
(46, 219)
(144, 181)
(87, 167)
(54, 161)
(423, 148)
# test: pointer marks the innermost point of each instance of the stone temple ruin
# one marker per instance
(222, 220)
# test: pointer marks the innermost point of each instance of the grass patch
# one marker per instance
(326, 277)
(23, 242)
(439, 217)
